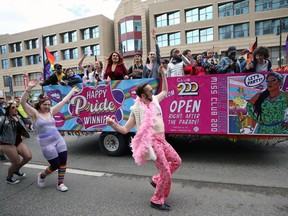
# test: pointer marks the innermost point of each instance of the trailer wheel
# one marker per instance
(112, 144)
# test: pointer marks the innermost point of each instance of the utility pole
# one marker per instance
(281, 26)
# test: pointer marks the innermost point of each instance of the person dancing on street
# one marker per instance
(12, 128)
(149, 142)
(52, 143)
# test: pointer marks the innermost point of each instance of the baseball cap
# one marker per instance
(232, 49)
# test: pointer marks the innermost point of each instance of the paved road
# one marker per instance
(214, 179)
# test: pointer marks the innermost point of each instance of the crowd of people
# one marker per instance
(18, 117)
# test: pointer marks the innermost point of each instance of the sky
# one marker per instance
(24, 15)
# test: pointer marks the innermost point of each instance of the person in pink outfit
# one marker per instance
(149, 142)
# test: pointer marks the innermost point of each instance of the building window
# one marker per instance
(168, 19)
(199, 14)
(174, 39)
(18, 80)
(162, 40)
(274, 55)
(32, 44)
(169, 39)
(130, 26)
(69, 37)
(192, 37)
(269, 27)
(233, 8)
(264, 5)
(6, 80)
(17, 62)
(70, 54)
(50, 40)
(3, 49)
(174, 18)
(93, 50)
(16, 47)
(5, 63)
(234, 31)
(131, 45)
(33, 59)
(206, 13)
(89, 33)
(34, 75)
(199, 35)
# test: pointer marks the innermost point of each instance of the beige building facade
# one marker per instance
(194, 25)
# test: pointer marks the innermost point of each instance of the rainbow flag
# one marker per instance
(49, 63)
(253, 47)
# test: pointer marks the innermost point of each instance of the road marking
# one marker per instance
(68, 170)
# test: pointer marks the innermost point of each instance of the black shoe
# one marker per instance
(12, 180)
(20, 174)
(152, 182)
(161, 207)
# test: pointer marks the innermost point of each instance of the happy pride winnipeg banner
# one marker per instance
(194, 104)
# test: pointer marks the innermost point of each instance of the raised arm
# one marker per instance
(122, 129)
(164, 90)
(55, 109)
(31, 111)
(80, 64)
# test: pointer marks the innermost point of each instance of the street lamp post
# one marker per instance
(281, 26)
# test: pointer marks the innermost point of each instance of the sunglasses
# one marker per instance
(14, 107)
(88, 66)
(272, 80)
(59, 68)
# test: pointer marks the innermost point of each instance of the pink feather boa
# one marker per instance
(144, 136)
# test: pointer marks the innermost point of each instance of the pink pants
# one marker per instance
(168, 161)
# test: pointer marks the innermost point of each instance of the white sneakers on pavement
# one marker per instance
(40, 181)
(62, 188)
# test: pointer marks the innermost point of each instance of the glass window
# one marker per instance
(241, 7)
(34, 75)
(269, 26)
(18, 80)
(5, 63)
(174, 39)
(6, 80)
(3, 49)
(129, 26)
(50, 40)
(206, 13)
(241, 30)
(73, 36)
(192, 37)
(16, 47)
(33, 59)
(162, 40)
(86, 34)
(69, 37)
(95, 32)
(32, 44)
(161, 20)
(96, 50)
(123, 28)
(70, 54)
(225, 9)
(17, 62)
(174, 18)
(225, 32)
(192, 15)
(138, 44)
(137, 25)
(206, 35)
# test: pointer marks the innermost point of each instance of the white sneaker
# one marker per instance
(40, 181)
(62, 188)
